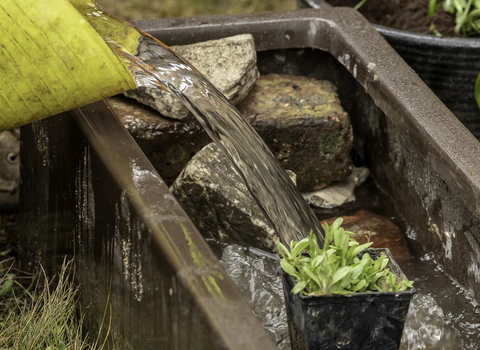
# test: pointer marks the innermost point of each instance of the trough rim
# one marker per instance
(406, 36)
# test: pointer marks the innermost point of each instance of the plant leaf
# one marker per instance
(336, 224)
(317, 260)
(341, 273)
(353, 252)
(431, 7)
(283, 250)
(357, 271)
(385, 261)
(299, 287)
(288, 268)
(299, 247)
(312, 276)
(357, 6)
(360, 285)
(6, 285)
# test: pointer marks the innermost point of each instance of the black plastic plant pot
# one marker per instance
(359, 321)
(448, 65)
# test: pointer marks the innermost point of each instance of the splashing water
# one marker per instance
(281, 202)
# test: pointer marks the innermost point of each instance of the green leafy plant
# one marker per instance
(467, 14)
(336, 268)
(467, 22)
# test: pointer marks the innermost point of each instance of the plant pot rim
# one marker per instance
(427, 39)
(354, 297)
(407, 36)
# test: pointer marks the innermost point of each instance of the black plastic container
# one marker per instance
(360, 321)
(448, 65)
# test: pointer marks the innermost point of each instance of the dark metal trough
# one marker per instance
(87, 189)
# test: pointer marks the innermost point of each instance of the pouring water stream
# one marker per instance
(157, 65)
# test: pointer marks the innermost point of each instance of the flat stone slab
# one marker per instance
(303, 123)
(230, 64)
(338, 193)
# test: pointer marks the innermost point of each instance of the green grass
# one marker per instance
(147, 9)
(48, 319)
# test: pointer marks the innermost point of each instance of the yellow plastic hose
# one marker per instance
(53, 60)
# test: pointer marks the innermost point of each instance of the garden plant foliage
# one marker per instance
(336, 268)
(466, 12)
(467, 22)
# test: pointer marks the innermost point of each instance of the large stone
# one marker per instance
(229, 63)
(316, 147)
(303, 123)
(169, 144)
(216, 199)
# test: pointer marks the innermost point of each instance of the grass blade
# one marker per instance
(432, 6)
(357, 6)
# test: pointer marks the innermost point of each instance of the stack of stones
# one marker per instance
(299, 118)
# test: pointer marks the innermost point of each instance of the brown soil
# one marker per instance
(411, 15)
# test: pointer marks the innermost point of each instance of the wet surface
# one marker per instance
(256, 275)
(442, 316)
(446, 316)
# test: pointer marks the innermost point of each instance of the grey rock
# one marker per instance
(338, 193)
(216, 199)
(9, 169)
(230, 64)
